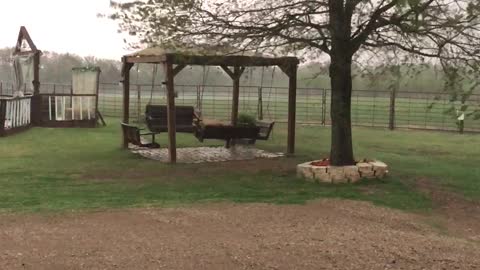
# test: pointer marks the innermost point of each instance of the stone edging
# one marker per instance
(342, 174)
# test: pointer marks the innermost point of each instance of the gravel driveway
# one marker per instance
(325, 234)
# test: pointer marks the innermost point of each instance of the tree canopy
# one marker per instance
(341, 32)
(427, 28)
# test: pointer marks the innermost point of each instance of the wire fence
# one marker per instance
(370, 108)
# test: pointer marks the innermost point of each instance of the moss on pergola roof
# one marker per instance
(201, 56)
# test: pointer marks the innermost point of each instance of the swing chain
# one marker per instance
(201, 89)
(154, 75)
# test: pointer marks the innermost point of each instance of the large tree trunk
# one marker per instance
(341, 152)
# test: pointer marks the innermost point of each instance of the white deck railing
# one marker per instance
(17, 112)
(71, 107)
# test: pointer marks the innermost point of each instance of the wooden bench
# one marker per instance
(265, 130)
(211, 129)
(225, 132)
(156, 118)
(133, 135)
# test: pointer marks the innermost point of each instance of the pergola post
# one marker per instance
(171, 121)
(291, 71)
(235, 95)
(292, 108)
(126, 96)
(235, 76)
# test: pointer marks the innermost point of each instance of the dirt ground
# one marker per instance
(325, 234)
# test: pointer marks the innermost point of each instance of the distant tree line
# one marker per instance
(56, 68)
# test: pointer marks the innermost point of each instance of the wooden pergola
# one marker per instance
(233, 64)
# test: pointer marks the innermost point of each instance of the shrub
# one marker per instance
(245, 119)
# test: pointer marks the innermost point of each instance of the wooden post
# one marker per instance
(36, 73)
(235, 76)
(171, 121)
(393, 95)
(3, 111)
(292, 103)
(235, 95)
(35, 113)
(391, 122)
(126, 96)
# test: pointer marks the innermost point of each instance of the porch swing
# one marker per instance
(190, 119)
(213, 129)
(266, 128)
(156, 115)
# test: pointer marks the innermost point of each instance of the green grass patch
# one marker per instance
(67, 169)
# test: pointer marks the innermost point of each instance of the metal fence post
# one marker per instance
(324, 107)
(139, 103)
(260, 104)
(391, 122)
(397, 73)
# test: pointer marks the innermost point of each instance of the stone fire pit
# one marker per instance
(342, 174)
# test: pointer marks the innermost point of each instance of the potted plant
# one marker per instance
(247, 127)
(246, 120)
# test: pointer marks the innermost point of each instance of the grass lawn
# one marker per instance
(67, 169)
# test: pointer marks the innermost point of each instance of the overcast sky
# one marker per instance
(62, 26)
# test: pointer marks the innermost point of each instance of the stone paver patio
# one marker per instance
(206, 154)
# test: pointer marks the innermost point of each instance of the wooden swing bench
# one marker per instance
(188, 120)
(156, 118)
(211, 129)
(134, 136)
